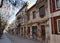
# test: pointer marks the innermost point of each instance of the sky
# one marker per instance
(31, 2)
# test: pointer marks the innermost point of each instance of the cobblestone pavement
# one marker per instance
(16, 39)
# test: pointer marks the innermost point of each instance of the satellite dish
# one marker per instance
(1, 3)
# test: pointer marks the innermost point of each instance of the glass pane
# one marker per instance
(42, 11)
(58, 3)
(59, 25)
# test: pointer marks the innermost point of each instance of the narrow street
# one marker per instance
(5, 39)
(29, 21)
(16, 39)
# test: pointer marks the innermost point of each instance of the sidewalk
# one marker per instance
(15, 39)
(5, 39)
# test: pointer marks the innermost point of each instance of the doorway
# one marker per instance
(21, 32)
(24, 32)
(28, 32)
(43, 32)
(34, 32)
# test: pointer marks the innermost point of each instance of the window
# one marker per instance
(58, 25)
(34, 15)
(42, 11)
(57, 3)
(18, 17)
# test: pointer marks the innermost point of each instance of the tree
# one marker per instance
(2, 25)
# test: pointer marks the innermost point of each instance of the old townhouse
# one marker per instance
(32, 20)
(41, 21)
(44, 24)
(21, 20)
(33, 30)
(52, 28)
(38, 21)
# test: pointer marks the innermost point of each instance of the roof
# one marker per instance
(31, 7)
(26, 4)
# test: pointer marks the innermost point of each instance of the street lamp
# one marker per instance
(1, 3)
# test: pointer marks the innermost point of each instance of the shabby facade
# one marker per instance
(21, 19)
(52, 29)
(41, 21)
(33, 22)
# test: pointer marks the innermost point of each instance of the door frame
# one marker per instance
(33, 31)
(43, 35)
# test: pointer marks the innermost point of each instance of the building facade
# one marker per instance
(53, 12)
(55, 16)
(41, 21)
(32, 21)
(44, 23)
(21, 20)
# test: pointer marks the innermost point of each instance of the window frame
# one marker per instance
(58, 26)
(56, 6)
(34, 15)
(44, 11)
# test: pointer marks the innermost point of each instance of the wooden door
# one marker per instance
(43, 32)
